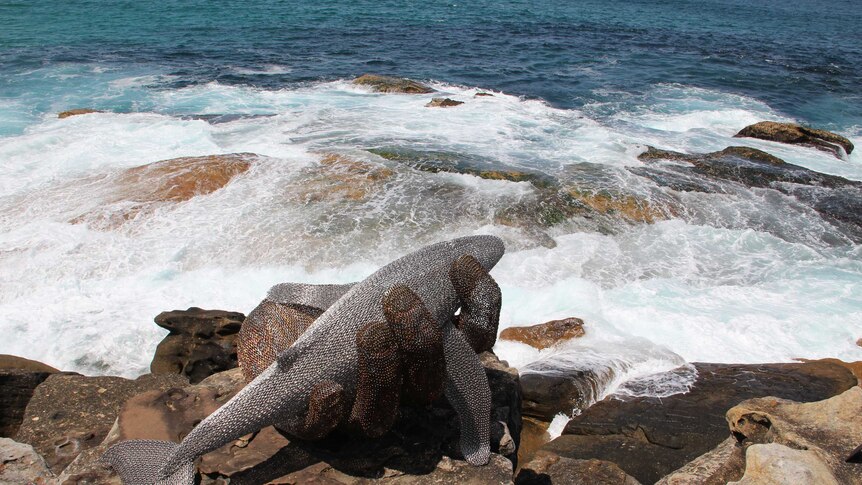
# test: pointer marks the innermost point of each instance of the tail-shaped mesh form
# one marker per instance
(140, 462)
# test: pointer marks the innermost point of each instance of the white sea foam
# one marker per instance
(725, 282)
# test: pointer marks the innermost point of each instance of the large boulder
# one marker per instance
(19, 463)
(798, 135)
(651, 437)
(200, 343)
(18, 379)
(546, 334)
(69, 413)
(388, 84)
(829, 432)
(421, 448)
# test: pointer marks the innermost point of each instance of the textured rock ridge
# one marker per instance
(795, 134)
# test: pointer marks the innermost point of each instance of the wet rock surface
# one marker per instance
(76, 112)
(339, 178)
(18, 379)
(139, 191)
(69, 413)
(795, 134)
(388, 84)
(651, 437)
(835, 198)
(546, 334)
(443, 103)
(829, 431)
(200, 343)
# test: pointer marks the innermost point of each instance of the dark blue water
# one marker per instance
(804, 58)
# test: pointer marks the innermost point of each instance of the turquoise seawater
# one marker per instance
(803, 59)
(579, 90)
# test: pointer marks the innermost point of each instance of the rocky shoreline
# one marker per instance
(734, 424)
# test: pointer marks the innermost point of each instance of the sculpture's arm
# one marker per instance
(480, 299)
(315, 296)
(468, 391)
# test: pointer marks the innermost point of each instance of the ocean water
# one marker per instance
(580, 89)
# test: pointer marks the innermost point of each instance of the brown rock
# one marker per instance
(725, 463)
(18, 379)
(534, 435)
(479, 95)
(546, 334)
(798, 135)
(77, 111)
(19, 463)
(859, 342)
(20, 363)
(339, 178)
(201, 343)
(650, 437)
(387, 84)
(829, 431)
(624, 206)
(140, 190)
(548, 468)
(443, 103)
(69, 413)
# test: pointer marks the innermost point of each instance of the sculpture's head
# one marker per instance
(486, 249)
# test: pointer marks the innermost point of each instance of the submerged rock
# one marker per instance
(70, 413)
(549, 468)
(546, 334)
(835, 198)
(18, 379)
(794, 134)
(651, 437)
(339, 178)
(829, 431)
(19, 463)
(77, 111)
(443, 103)
(140, 190)
(388, 84)
(481, 94)
(200, 343)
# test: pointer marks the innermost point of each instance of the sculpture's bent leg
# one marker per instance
(420, 343)
(269, 329)
(480, 298)
(326, 408)
(379, 381)
(468, 391)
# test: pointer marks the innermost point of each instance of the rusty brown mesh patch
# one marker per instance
(420, 342)
(379, 381)
(269, 329)
(480, 298)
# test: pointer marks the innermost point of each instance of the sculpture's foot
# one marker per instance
(140, 462)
